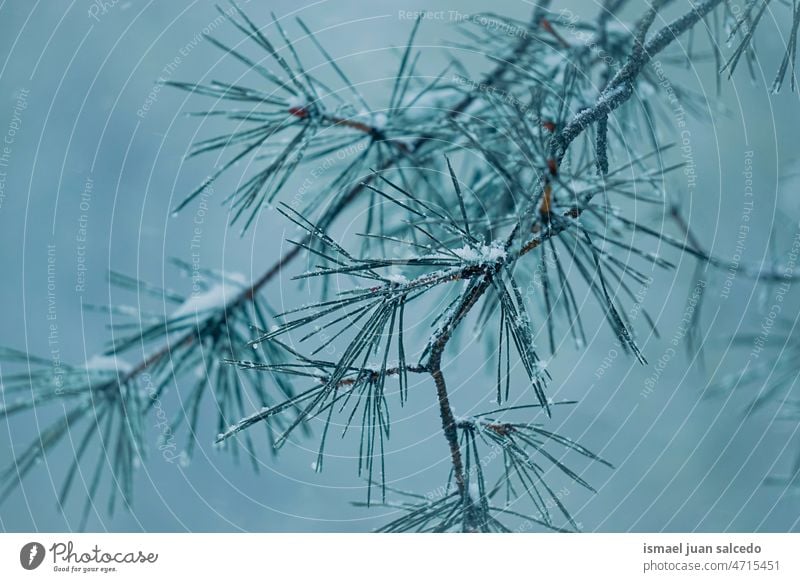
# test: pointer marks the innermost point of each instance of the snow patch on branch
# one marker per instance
(104, 363)
(214, 298)
(481, 254)
(297, 102)
(397, 278)
(379, 121)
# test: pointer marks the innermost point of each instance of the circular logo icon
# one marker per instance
(31, 555)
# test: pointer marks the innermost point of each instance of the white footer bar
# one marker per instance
(386, 558)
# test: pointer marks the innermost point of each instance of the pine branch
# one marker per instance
(549, 181)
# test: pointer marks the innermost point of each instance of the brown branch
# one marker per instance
(375, 374)
(548, 27)
(620, 88)
(449, 427)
